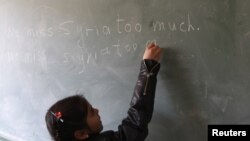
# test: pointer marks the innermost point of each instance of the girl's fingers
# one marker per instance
(151, 45)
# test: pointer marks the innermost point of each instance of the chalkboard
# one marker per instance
(50, 49)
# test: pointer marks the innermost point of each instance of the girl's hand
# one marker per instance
(153, 52)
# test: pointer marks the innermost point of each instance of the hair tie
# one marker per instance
(57, 115)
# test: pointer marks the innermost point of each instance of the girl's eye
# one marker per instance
(92, 110)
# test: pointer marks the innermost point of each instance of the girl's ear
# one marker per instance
(81, 134)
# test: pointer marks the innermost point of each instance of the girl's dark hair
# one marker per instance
(66, 116)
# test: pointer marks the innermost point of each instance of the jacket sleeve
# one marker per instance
(135, 126)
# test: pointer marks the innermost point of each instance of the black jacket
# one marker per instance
(135, 126)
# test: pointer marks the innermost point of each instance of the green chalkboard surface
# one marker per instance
(50, 49)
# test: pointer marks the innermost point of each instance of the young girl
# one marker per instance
(74, 119)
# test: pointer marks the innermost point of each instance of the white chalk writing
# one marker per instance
(88, 38)
(184, 26)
